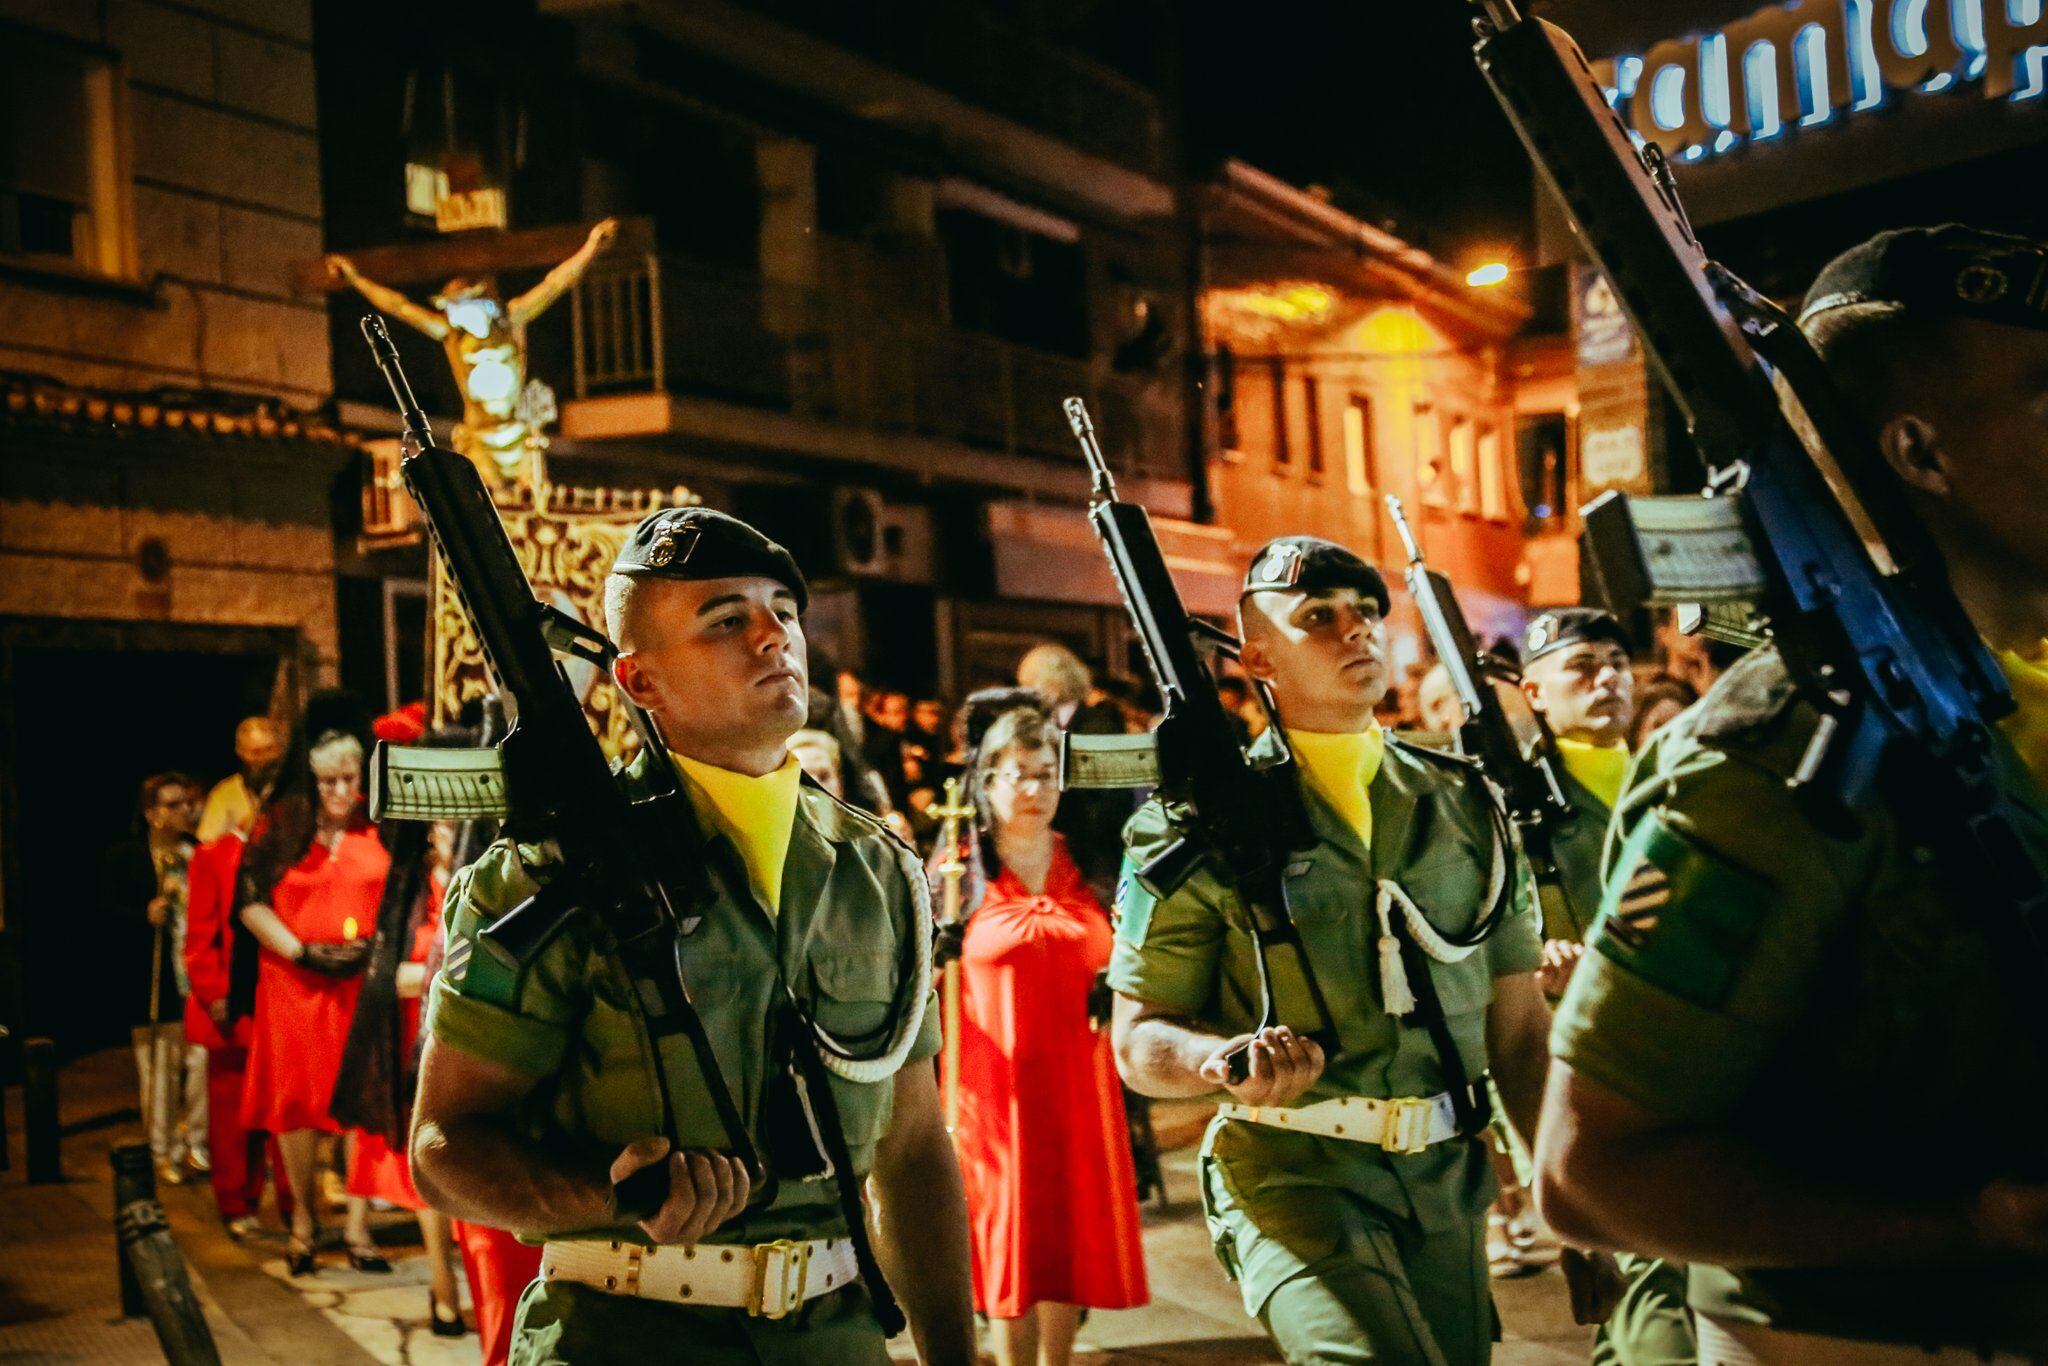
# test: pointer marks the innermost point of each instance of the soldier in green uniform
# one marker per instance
(1575, 672)
(1346, 1191)
(537, 1092)
(1758, 992)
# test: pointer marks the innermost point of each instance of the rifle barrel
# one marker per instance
(1403, 530)
(1104, 486)
(385, 352)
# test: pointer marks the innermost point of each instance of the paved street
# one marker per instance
(58, 1300)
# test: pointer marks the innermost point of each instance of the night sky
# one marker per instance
(1378, 102)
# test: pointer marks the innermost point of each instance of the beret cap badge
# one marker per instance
(1981, 284)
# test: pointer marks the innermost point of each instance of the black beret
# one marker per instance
(1310, 564)
(1948, 270)
(702, 543)
(1562, 626)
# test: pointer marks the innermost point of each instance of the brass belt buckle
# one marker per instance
(1407, 1125)
(782, 1272)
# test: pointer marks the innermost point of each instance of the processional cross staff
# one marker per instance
(951, 811)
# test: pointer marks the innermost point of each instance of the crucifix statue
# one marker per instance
(485, 339)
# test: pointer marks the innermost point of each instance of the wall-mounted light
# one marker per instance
(1487, 275)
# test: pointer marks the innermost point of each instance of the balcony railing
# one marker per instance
(657, 324)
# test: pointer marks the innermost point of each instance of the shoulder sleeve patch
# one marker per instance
(1680, 915)
(1134, 903)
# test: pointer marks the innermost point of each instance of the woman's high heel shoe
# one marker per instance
(449, 1327)
(367, 1259)
(298, 1258)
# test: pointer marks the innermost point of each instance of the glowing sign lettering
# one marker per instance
(1808, 62)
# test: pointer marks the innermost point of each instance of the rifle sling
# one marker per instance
(1472, 1104)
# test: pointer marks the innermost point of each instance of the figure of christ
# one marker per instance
(485, 339)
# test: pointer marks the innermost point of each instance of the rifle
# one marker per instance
(1851, 588)
(549, 777)
(1525, 773)
(1247, 816)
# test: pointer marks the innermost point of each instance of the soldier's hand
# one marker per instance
(1560, 956)
(1280, 1065)
(2012, 1217)
(705, 1190)
(336, 960)
(946, 944)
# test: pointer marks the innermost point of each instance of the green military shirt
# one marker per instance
(1191, 952)
(848, 903)
(1826, 999)
(1570, 908)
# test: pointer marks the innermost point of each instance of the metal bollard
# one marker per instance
(39, 1111)
(153, 1276)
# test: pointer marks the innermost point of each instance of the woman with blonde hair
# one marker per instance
(1041, 1132)
(311, 885)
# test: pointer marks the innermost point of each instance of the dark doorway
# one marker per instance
(89, 712)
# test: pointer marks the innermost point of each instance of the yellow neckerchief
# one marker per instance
(2027, 727)
(1599, 768)
(1341, 768)
(756, 814)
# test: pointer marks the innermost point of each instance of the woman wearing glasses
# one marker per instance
(1041, 1133)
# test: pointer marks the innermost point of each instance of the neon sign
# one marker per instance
(1811, 61)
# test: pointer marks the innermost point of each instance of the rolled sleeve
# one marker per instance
(1167, 948)
(926, 1045)
(524, 1022)
(1714, 932)
(1517, 947)
(1669, 1055)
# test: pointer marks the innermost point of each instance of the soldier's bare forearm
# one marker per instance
(1607, 1178)
(1518, 1047)
(470, 1159)
(1160, 1055)
(921, 1222)
(479, 1168)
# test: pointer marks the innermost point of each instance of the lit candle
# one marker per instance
(349, 929)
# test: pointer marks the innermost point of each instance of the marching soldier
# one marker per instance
(537, 1094)
(1346, 1189)
(1576, 673)
(1758, 990)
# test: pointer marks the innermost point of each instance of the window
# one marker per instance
(1465, 488)
(1312, 413)
(63, 192)
(1358, 458)
(1227, 434)
(1493, 493)
(1429, 458)
(1283, 454)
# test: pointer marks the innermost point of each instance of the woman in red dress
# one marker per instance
(324, 869)
(1042, 1139)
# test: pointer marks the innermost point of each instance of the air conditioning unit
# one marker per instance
(874, 538)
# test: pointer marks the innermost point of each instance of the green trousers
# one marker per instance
(1335, 1279)
(1651, 1326)
(563, 1324)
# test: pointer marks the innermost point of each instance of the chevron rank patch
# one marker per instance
(1641, 898)
(456, 961)
(1684, 916)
